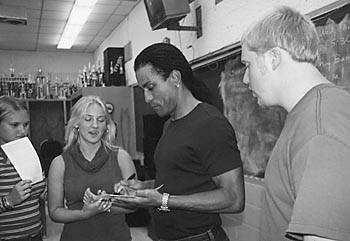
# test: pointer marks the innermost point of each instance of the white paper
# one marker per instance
(24, 158)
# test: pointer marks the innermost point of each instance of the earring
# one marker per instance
(177, 85)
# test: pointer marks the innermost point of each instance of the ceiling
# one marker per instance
(46, 20)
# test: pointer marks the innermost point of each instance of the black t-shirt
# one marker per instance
(191, 151)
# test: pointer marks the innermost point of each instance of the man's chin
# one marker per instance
(160, 113)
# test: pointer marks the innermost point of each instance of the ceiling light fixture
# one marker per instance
(77, 18)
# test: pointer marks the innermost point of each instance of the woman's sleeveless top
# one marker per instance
(101, 173)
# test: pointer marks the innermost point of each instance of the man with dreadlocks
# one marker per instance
(197, 158)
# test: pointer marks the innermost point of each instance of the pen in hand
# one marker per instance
(131, 177)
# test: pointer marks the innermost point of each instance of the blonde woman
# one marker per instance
(90, 162)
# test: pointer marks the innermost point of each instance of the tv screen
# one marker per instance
(162, 12)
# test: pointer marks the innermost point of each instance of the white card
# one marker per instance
(24, 158)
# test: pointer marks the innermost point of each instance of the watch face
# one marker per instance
(110, 107)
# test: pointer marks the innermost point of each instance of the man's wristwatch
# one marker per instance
(164, 207)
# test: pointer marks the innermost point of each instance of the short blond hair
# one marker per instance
(288, 29)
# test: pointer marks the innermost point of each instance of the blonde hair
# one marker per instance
(288, 29)
(9, 104)
(77, 113)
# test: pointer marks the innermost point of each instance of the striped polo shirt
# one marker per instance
(24, 220)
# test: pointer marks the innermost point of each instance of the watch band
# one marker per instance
(164, 207)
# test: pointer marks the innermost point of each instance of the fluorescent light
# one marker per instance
(80, 13)
(71, 31)
(88, 3)
(66, 43)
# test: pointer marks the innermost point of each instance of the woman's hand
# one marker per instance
(95, 204)
(20, 192)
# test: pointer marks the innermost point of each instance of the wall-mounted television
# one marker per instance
(164, 12)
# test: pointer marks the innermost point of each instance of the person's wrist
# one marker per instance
(164, 205)
(85, 212)
(6, 205)
(2, 207)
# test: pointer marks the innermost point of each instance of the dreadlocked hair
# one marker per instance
(165, 58)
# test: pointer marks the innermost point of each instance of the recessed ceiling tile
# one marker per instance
(99, 38)
(98, 18)
(129, 2)
(103, 9)
(47, 47)
(11, 28)
(52, 23)
(123, 10)
(60, 0)
(109, 2)
(116, 19)
(92, 26)
(33, 22)
(10, 36)
(33, 13)
(25, 29)
(78, 48)
(58, 6)
(51, 30)
(94, 44)
(82, 41)
(28, 4)
(88, 32)
(105, 32)
(55, 15)
(50, 37)
(47, 42)
(19, 45)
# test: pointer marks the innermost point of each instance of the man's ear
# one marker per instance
(175, 77)
(275, 55)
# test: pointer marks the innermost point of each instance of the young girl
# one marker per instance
(19, 199)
